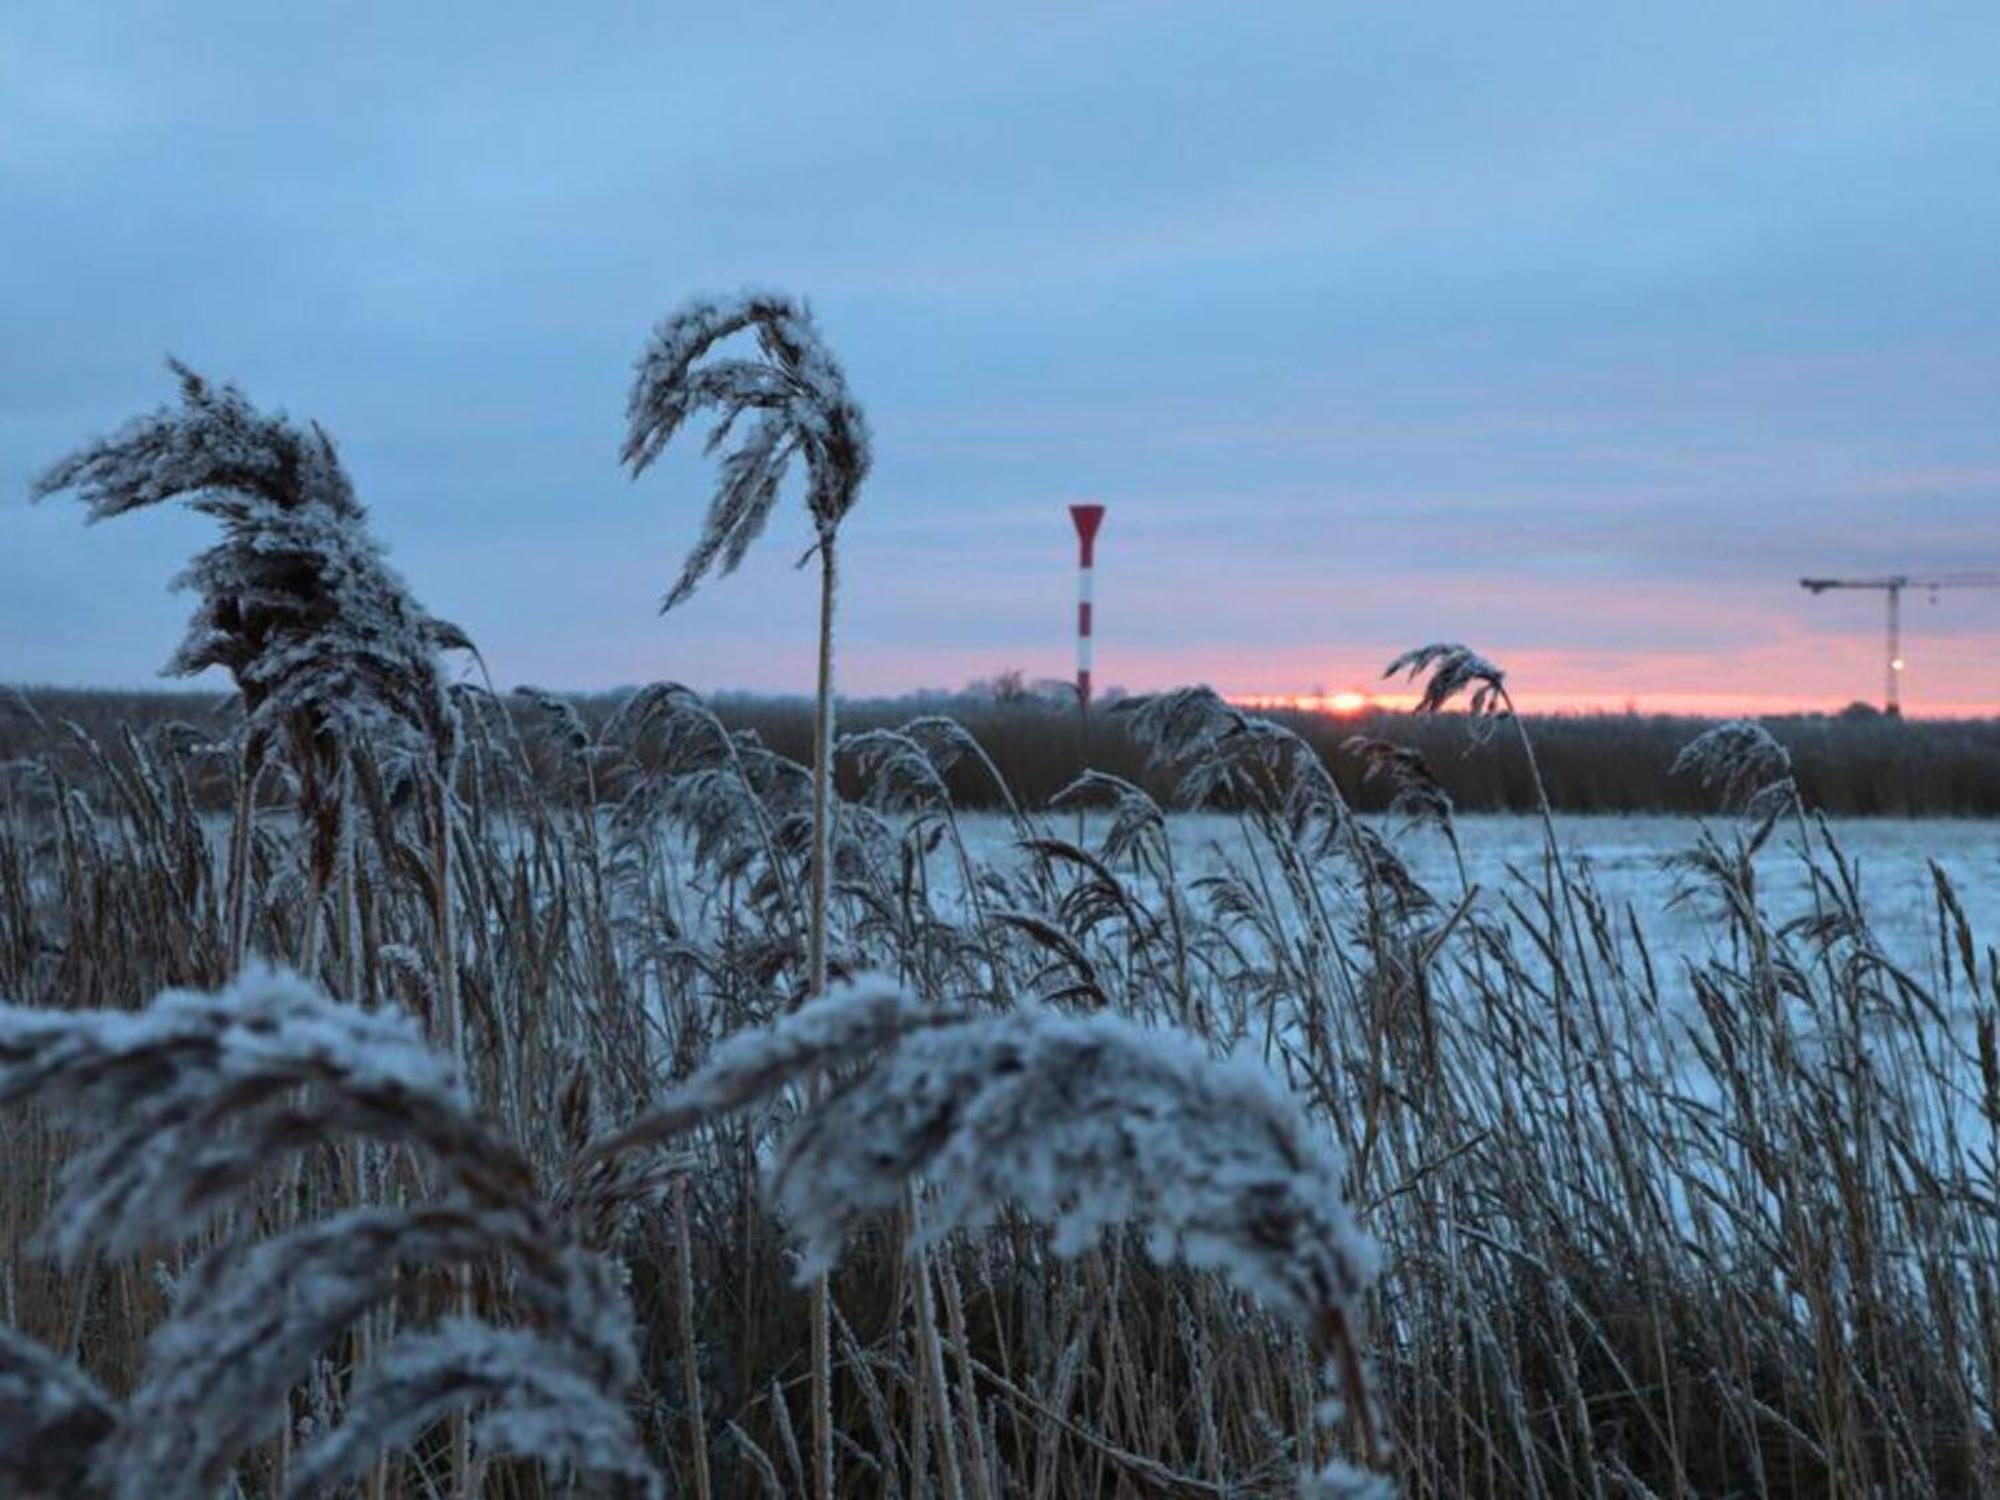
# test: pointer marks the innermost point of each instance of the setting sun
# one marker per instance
(1346, 702)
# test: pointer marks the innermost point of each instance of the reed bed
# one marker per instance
(1594, 763)
(662, 1105)
(1723, 1228)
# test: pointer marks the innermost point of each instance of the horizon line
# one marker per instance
(1044, 693)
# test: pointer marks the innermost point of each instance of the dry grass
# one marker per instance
(188, 1108)
(1728, 1228)
(1593, 763)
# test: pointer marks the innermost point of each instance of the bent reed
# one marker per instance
(1729, 1226)
(1726, 1227)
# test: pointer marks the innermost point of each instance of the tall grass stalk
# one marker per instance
(1715, 1220)
(1752, 1256)
(794, 401)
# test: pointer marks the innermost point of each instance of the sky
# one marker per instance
(1574, 332)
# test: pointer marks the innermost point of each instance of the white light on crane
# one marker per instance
(1891, 587)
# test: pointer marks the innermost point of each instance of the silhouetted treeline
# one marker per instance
(1595, 764)
(1598, 763)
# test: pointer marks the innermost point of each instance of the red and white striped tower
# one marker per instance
(1087, 518)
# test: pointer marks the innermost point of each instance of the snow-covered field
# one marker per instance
(1626, 857)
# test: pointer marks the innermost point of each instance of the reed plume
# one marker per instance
(1225, 755)
(1747, 768)
(1449, 670)
(53, 1417)
(1088, 1123)
(791, 401)
(1720, 1229)
(194, 1098)
(298, 603)
(1415, 792)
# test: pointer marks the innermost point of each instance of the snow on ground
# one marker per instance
(1626, 855)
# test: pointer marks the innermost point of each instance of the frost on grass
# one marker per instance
(52, 1417)
(1222, 753)
(1087, 1122)
(299, 603)
(535, 1404)
(254, 1317)
(194, 1099)
(1415, 793)
(191, 1099)
(1449, 669)
(897, 773)
(725, 787)
(1135, 816)
(1748, 770)
(852, 1021)
(790, 401)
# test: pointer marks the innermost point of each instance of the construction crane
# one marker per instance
(1892, 587)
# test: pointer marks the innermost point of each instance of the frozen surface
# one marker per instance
(1626, 856)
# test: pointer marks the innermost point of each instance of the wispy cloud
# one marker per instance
(1579, 335)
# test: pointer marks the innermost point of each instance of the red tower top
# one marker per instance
(1087, 518)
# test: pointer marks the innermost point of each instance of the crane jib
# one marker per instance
(1892, 586)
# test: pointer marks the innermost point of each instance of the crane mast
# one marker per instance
(1891, 586)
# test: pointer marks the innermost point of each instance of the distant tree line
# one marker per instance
(1849, 764)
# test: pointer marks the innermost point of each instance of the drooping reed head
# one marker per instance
(52, 1420)
(298, 602)
(1414, 789)
(1223, 754)
(1085, 1122)
(1447, 670)
(1741, 762)
(192, 1101)
(791, 400)
(194, 1098)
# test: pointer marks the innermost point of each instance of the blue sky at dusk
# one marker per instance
(1576, 332)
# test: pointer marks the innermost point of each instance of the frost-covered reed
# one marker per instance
(789, 403)
(1700, 1227)
(192, 1101)
(333, 659)
(1721, 1226)
(1087, 1123)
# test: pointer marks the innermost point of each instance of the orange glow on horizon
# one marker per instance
(1343, 705)
(1585, 704)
